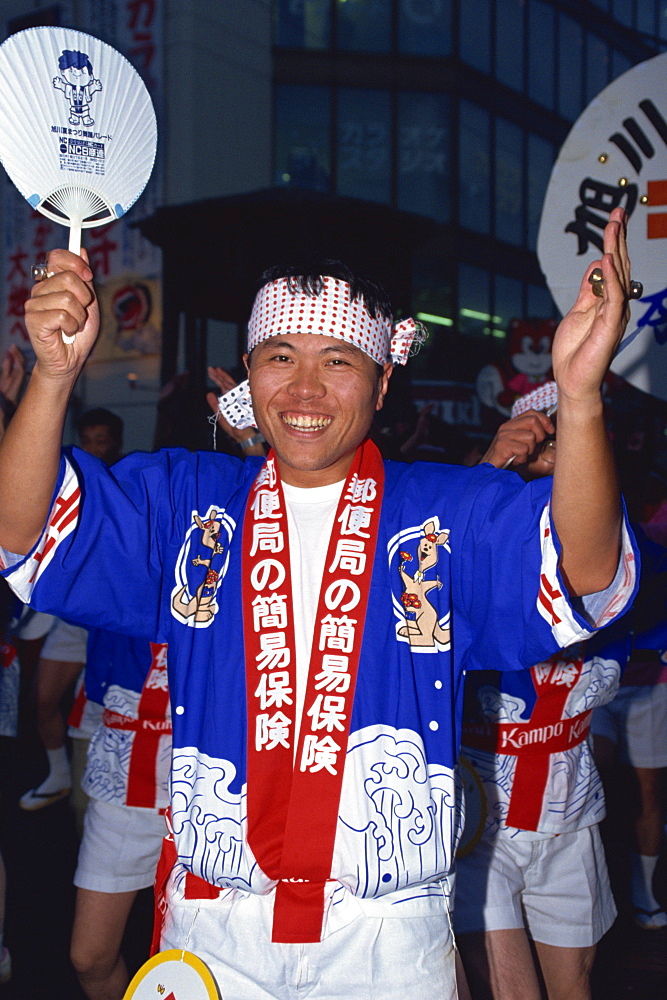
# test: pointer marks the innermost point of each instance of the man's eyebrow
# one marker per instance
(341, 346)
(275, 344)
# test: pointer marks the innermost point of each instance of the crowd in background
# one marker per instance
(46, 685)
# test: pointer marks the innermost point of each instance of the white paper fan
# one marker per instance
(77, 127)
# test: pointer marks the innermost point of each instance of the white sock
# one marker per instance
(642, 867)
(59, 773)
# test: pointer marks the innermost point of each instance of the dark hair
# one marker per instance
(309, 280)
(79, 60)
(105, 418)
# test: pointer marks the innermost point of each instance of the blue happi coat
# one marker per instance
(129, 549)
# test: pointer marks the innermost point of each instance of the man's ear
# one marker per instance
(246, 358)
(387, 370)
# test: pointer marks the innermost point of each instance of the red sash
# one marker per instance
(546, 733)
(148, 727)
(293, 800)
(516, 739)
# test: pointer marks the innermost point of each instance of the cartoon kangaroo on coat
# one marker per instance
(422, 627)
(200, 605)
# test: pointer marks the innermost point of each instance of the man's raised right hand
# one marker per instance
(65, 303)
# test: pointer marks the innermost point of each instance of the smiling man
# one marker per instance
(321, 607)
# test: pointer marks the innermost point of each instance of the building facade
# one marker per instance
(452, 110)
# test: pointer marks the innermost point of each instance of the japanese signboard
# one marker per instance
(616, 155)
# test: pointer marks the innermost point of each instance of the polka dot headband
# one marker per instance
(544, 398)
(280, 308)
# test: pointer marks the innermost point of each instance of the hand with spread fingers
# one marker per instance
(585, 502)
(62, 315)
(588, 336)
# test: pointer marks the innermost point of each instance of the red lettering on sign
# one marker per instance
(656, 223)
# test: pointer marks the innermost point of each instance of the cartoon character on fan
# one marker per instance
(529, 364)
(78, 84)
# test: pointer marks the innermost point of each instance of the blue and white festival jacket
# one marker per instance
(124, 550)
(549, 704)
(129, 755)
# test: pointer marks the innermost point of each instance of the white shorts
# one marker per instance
(120, 848)
(636, 722)
(33, 624)
(369, 958)
(557, 888)
(65, 642)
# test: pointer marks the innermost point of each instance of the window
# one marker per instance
(597, 66)
(509, 187)
(363, 25)
(507, 305)
(571, 42)
(474, 168)
(303, 155)
(424, 169)
(541, 55)
(541, 156)
(364, 144)
(622, 11)
(509, 47)
(302, 24)
(474, 300)
(425, 27)
(475, 34)
(619, 64)
(539, 304)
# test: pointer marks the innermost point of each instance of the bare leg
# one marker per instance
(566, 971)
(462, 988)
(648, 823)
(99, 923)
(500, 965)
(647, 829)
(53, 679)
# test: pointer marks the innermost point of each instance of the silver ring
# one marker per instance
(40, 271)
(636, 290)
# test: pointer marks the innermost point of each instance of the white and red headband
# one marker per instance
(281, 308)
(544, 398)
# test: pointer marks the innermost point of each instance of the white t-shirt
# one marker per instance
(310, 517)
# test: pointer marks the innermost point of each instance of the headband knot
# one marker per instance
(408, 337)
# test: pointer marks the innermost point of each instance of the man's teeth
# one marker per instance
(305, 421)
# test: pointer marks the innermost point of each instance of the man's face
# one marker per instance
(314, 398)
(98, 441)
(77, 77)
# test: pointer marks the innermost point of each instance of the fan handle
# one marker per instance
(74, 246)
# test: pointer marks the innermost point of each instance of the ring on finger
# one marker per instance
(40, 271)
(597, 282)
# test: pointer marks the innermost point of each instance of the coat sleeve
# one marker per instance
(99, 559)
(513, 606)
